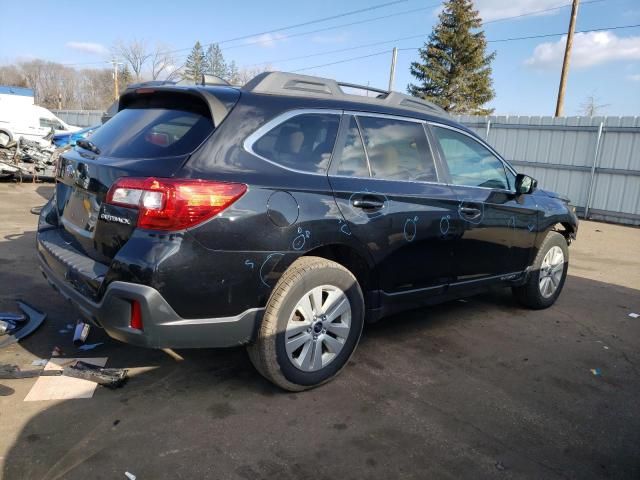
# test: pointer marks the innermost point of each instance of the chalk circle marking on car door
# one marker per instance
(267, 267)
(410, 229)
(444, 224)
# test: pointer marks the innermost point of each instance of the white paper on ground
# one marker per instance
(61, 387)
(634, 315)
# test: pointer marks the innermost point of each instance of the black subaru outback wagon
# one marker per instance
(283, 214)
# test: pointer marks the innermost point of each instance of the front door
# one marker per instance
(385, 182)
(498, 227)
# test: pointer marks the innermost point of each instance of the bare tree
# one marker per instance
(245, 74)
(591, 108)
(135, 54)
(12, 75)
(163, 63)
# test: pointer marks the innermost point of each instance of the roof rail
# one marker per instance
(283, 83)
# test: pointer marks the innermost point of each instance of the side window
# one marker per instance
(303, 142)
(397, 150)
(469, 162)
(353, 161)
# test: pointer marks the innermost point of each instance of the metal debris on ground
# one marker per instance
(130, 476)
(25, 324)
(107, 377)
(27, 157)
(81, 333)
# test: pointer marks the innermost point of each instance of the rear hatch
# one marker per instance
(152, 135)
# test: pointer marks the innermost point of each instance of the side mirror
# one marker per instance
(525, 184)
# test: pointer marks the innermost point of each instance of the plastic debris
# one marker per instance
(81, 333)
(130, 476)
(596, 372)
(634, 315)
(23, 327)
(107, 377)
(89, 346)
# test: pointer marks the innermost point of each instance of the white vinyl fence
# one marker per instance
(595, 161)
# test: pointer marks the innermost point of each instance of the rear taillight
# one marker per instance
(136, 316)
(173, 204)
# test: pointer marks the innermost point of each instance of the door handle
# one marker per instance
(470, 212)
(368, 204)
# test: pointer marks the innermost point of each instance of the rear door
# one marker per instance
(152, 137)
(497, 226)
(385, 181)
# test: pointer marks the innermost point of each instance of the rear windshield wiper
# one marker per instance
(88, 145)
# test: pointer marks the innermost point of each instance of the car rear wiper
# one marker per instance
(88, 145)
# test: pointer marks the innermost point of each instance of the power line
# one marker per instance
(620, 27)
(358, 22)
(289, 27)
(325, 29)
(537, 12)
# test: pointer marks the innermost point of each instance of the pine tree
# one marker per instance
(124, 76)
(196, 64)
(215, 62)
(233, 74)
(454, 71)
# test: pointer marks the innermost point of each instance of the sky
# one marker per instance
(604, 64)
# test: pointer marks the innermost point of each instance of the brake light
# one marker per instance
(136, 316)
(173, 204)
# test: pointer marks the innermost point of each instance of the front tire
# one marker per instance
(311, 326)
(548, 274)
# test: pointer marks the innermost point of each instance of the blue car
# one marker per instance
(70, 138)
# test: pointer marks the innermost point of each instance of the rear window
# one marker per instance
(156, 127)
(304, 142)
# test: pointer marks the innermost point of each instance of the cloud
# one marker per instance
(589, 49)
(337, 38)
(634, 78)
(88, 47)
(266, 40)
(497, 9)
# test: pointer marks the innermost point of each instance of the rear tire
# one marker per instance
(547, 275)
(311, 326)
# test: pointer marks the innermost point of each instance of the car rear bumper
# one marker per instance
(162, 326)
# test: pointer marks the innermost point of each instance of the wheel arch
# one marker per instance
(353, 260)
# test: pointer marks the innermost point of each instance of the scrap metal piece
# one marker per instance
(107, 377)
(12, 372)
(35, 317)
(6, 327)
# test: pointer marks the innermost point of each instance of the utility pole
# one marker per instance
(392, 73)
(116, 90)
(567, 56)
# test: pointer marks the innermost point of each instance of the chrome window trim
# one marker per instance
(278, 120)
(358, 113)
(505, 164)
